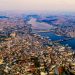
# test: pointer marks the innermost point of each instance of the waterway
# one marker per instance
(55, 37)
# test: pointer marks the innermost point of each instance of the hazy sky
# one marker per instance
(38, 5)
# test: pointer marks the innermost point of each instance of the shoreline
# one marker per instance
(59, 39)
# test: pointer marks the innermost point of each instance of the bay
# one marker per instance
(55, 37)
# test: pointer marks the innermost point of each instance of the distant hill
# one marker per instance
(1, 17)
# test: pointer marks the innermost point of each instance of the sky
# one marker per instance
(37, 5)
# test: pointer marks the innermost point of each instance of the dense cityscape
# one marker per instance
(37, 37)
(23, 52)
